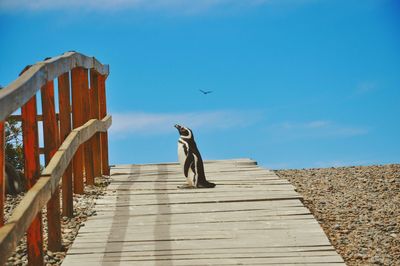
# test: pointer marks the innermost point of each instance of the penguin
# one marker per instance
(190, 160)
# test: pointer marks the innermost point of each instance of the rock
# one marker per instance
(357, 207)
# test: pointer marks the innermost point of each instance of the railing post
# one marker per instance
(95, 114)
(77, 76)
(87, 146)
(2, 173)
(103, 135)
(51, 144)
(32, 173)
(65, 129)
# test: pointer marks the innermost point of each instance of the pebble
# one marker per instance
(83, 208)
(358, 208)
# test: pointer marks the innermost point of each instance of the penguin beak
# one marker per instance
(178, 127)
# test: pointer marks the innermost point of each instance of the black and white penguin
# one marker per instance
(190, 160)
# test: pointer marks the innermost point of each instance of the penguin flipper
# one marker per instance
(188, 164)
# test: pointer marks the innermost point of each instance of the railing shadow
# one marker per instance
(162, 236)
(115, 242)
(162, 240)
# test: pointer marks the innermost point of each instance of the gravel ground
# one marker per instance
(358, 208)
(83, 208)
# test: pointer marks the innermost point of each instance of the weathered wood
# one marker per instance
(104, 135)
(95, 114)
(250, 218)
(2, 173)
(22, 92)
(32, 172)
(88, 156)
(40, 193)
(224, 261)
(25, 87)
(65, 128)
(26, 215)
(78, 86)
(51, 144)
(69, 147)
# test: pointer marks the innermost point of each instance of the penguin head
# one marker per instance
(184, 131)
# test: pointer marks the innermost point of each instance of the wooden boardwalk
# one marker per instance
(251, 217)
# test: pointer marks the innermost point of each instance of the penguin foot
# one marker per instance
(206, 184)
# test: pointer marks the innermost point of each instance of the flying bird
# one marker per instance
(205, 92)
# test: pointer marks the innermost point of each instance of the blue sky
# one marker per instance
(296, 83)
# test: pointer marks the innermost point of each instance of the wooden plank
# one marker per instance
(228, 190)
(32, 172)
(320, 257)
(51, 144)
(65, 128)
(2, 172)
(229, 215)
(271, 209)
(25, 87)
(237, 256)
(233, 260)
(289, 258)
(88, 156)
(181, 228)
(177, 245)
(149, 251)
(104, 135)
(213, 254)
(95, 114)
(217, 199)
(78, 86)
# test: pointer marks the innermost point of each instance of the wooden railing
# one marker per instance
(75, 146)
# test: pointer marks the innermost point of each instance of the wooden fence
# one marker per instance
(75, 145)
